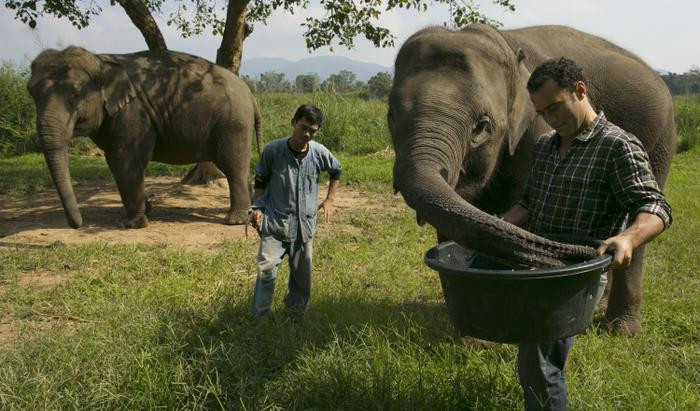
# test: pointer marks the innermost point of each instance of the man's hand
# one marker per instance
(255, 218)
(328, 209)
(644, 228)
(622, 246)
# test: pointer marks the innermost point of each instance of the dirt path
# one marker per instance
(189, 216)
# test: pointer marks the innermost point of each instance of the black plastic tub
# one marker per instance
(489, 301)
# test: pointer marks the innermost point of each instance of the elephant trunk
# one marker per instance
(423, 182)
(54, 134)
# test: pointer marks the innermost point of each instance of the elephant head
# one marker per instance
(458, 111)
(74, 91)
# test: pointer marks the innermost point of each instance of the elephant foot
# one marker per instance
(626, 327)
(149, 207)
(136, 222)
(236, 217)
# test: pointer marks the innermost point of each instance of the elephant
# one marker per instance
(463, 128)
(156, 105)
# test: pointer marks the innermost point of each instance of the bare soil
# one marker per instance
(182, 216)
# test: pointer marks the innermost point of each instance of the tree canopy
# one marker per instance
(686, 83)
(342, 21)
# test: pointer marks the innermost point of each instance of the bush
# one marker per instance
(687, 121)
(17, 113)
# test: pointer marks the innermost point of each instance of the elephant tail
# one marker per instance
(258, 124)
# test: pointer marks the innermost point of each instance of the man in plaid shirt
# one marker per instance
(589, 178)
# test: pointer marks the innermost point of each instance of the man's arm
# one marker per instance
(635, 187)
(644, 228)
(327, 204)
(330, 164)
(256, 216)
(262, 177)
(517, 215)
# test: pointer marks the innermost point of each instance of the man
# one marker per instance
(588, 178)
(284, 208)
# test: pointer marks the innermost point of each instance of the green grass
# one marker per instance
(135, 327)
(28, 173)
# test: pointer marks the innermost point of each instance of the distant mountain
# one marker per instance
(324, 66)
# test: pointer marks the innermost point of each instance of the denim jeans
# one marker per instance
(270, 256)
(541, 368)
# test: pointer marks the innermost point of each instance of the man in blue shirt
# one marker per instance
(285, 206)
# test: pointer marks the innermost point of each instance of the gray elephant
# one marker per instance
(463, 129)
(154, 105)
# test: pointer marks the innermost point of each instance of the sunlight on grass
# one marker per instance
(134, 327)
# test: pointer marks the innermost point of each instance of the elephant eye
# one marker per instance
(482, 130)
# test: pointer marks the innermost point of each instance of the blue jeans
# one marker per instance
(541, 369)
(269, 258)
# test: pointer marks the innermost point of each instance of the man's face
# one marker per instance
(561, 108)
(303, 130)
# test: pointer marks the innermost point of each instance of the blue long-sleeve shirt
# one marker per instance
(291, 184)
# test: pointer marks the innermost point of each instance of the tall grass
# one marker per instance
(687, 109)
(352, 124)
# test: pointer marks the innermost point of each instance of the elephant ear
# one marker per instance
(116, 87)
(521, 111)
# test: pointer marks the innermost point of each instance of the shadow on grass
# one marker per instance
(345, 353)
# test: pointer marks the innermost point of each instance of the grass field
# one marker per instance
(143, 327)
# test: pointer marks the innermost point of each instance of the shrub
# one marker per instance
(17, 113)
(687, 122)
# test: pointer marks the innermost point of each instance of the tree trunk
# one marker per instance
(229, 56)
(236, 30)
(143, 20)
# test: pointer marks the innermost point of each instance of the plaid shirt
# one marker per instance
(603, 179)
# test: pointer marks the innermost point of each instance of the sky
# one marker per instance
(665, 34)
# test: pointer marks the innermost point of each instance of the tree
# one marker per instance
(342, 21)
(341, 82)
(273, 82)
(250, 82)
(307, 83)
(686, 83)
(379, 85)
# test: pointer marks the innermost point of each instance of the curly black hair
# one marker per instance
(562, 70)
(312, 114)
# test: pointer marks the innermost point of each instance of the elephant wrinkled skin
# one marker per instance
(154, 105)
(463, 129)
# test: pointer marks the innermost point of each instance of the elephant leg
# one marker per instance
(624, 315)
(129, 175)
(149, 207)
(127, 158)
(234, 161)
